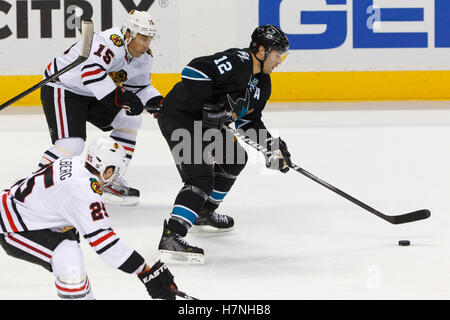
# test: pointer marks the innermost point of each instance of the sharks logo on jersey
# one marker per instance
(239, 108)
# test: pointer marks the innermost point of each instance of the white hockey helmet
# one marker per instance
(104, 152)
(140, 22)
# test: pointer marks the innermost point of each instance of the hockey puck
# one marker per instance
(404, 243)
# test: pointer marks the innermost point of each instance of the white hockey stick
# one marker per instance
(87, 34)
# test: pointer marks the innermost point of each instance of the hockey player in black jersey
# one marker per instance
(229, 86)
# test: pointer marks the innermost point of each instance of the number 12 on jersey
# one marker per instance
(222, 65)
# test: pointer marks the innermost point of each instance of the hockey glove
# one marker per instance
(159, 282)
(125, 99)
(280, 158)
(154, 105)
(214, 115)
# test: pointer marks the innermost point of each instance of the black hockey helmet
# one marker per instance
(270, 37)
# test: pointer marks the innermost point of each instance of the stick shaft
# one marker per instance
(183, 295)
(87, 37)
(409, 217)
(42, 83)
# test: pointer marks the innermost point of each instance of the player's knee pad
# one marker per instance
(68, 268)
(122, 121)
(69, 147)
(74, 289)
(202, 185)
(230, 171)
(238, 167)
(189, 202)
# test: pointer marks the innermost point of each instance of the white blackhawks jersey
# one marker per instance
(107, 66)
(59, 196)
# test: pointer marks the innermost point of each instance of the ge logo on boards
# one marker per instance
(364, 35)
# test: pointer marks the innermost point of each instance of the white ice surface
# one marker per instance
(293, 239)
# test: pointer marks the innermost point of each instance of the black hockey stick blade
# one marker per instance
(86, 40)
(404, 218)
(183, 295)
(410, 217)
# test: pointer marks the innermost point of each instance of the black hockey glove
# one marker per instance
(280, 158)
(159, 282)
(125, 99)
(154, 105)
(214, 115)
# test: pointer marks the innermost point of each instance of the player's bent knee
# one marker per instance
(204, 183)
(68, 268)
(127, 122)
(70, 147)
(237, 167)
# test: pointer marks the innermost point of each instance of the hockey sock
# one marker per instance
(67, 147)
(49, 156)
(189, 202)
(125, 131)
(127, 141)
(223, 182)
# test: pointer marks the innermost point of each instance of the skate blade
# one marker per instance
(208, 229)
(112, 199)
(172, 257)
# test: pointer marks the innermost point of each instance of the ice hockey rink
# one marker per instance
(294, 239)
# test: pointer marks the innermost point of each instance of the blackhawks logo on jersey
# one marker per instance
(119, 77)
(96, 186)
(117, 40)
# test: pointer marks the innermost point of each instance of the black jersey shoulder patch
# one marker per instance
(244, 56)
(117, 40)
(96, 186)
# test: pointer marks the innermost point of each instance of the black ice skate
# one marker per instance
(212, 222)
(118, 192)
(175, 249)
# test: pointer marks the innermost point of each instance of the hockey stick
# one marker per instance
(404, 218)
(87, 30)
(185, 296)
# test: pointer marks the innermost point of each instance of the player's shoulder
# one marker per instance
(237, 56)
(264, 78)
(146, 58)
(229, 62)
(149, 54)
(89, 188)
(74, 171)
(113, 38)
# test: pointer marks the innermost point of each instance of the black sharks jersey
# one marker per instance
(225, 76)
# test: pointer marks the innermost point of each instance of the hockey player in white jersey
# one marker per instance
(42, 216)
(110, 90)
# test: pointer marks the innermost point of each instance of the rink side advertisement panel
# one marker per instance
(340, 49)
